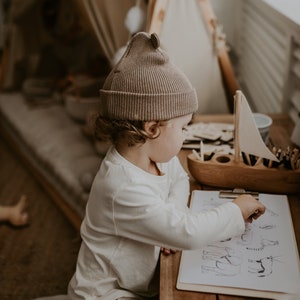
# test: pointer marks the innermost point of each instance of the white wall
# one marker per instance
(289, 8)
(265, 35)
(228, 14)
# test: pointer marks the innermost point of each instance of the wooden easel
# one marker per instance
(156, 14)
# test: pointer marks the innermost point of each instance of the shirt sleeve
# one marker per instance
(179, 184)
(150, 220)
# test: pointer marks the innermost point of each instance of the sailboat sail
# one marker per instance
(249, 138)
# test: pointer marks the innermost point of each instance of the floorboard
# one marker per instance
(39, 259)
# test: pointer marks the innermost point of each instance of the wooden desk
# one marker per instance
(279, 135)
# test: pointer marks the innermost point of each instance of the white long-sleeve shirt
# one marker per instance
(129, 216)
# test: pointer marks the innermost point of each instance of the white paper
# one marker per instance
(213, 131)
(264, 258)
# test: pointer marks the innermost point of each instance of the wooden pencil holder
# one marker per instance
(222, 171)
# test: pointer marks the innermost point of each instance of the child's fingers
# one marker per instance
(256, 214)
(167, 251)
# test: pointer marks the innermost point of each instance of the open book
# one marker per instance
(263, 262)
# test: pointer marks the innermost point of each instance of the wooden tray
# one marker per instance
(223, 171)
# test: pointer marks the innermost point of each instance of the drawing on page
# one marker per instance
(255, 259)
(268, 221)
(247, 236)
(222, 261)
(254, 241)
(262, 244)
(262, 267)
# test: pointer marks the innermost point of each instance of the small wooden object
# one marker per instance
(223, 171)
(228, 171)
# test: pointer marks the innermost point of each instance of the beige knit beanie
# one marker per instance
(145, 85)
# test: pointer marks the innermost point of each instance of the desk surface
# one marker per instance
(280, 132)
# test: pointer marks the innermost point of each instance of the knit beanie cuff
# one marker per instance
(145, 107)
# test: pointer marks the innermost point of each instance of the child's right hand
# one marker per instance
(250, 207)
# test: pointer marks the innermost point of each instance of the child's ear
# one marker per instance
(152, 129)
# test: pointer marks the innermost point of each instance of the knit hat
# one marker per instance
(145, 85)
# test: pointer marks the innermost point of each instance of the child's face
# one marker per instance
(170, 140)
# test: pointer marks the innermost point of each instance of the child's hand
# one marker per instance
(167, 251)
(250, 207)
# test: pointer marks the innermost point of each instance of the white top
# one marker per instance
(130, 215)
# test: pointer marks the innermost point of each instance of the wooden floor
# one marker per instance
(37, 260)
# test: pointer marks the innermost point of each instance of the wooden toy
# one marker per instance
(254, 166)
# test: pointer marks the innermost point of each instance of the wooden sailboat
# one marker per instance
(230, 171)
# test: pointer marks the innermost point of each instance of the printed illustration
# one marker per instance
(264, 257)
(262, 267)
(223, 261)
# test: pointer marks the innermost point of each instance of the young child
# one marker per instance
(138, 201)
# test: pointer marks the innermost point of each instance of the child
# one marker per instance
(138, 201)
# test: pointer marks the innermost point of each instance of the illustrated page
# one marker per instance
(264, 257)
